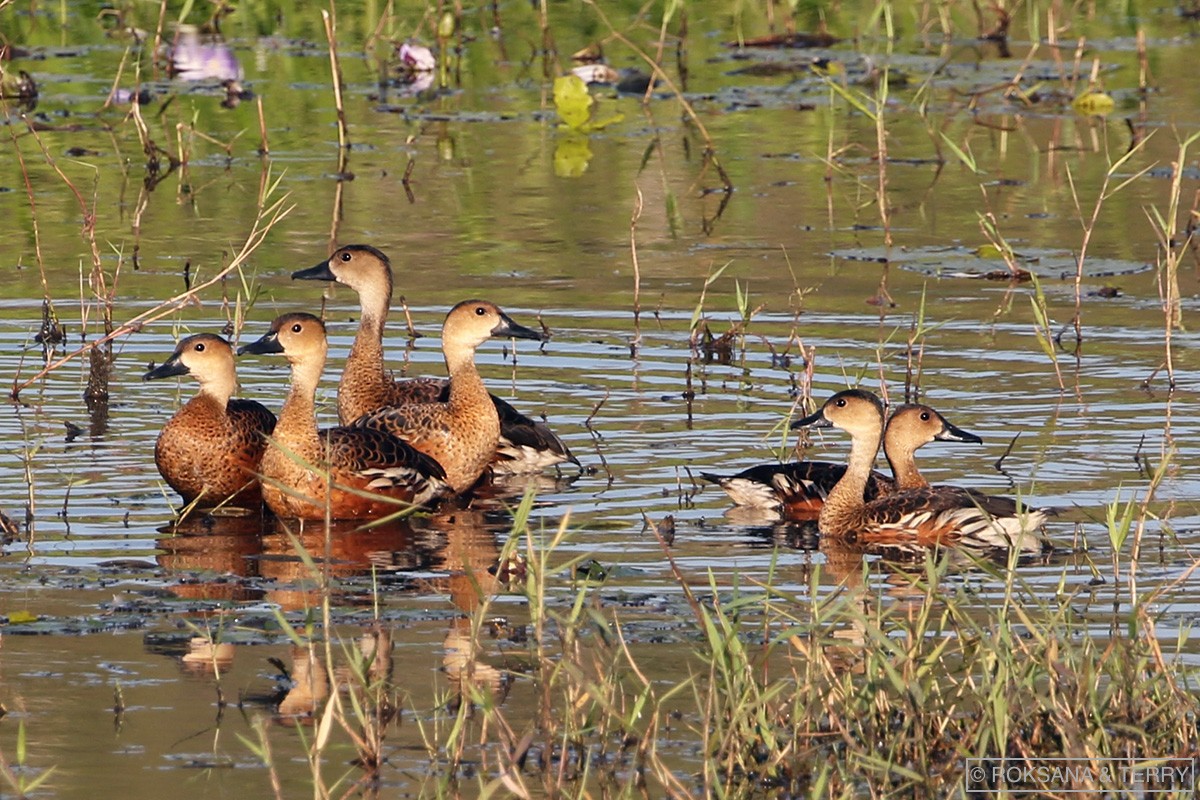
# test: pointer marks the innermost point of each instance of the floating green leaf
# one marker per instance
(572, 101)
(1094, 104)
(574, 105)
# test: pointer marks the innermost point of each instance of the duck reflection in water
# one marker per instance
(469, 558)
(213, 558)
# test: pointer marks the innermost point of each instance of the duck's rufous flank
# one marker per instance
(211, 448)
(357, 473)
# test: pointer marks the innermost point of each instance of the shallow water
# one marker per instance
(490, 216)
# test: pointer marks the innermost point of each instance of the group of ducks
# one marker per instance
(410, 442)
(400, 443)
(854, 501)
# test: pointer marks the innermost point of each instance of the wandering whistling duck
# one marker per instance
(211, 448)
(367, 386)
(926, 517)
(370, 473)
(462, 432)
(798, 490)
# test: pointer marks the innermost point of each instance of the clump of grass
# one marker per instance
(22, 779)
(881, 685)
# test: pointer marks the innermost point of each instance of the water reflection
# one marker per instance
(304, 686)
(213, 557)
(206, 657)
(196, 58)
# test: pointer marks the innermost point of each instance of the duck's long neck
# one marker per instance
(219, 389)
(366, 354)
(842, 511)
(900, 457)
(466, 385)
(297, 426)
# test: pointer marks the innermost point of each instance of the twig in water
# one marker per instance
(263, 148)
(637, 276)
(1145, 385)
(408, 323)
(406, 181)
(999, 465)
(587, 423)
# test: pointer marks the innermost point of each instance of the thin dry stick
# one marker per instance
(637, 274)
(37, 238)
(343, 139)
(263, 148)
(116, 84)
(258, 233)
(1143, 62)
(158, 29)
(369, 44)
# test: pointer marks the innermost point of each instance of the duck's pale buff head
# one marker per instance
(204, 356)
(300, 337)
(472, 322)
(363, 268)
(856, 411)
(915, 425)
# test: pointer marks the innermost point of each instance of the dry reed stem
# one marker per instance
(330, 24)
(158, 29)
(637, 274)
(263, 224)
(264, 149)
(112, 92)
(37, 237)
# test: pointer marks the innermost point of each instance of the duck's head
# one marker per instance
(204, 356)
(363, 268)
(853, 410)
(915, 425)
(473, 322)
(298, 336)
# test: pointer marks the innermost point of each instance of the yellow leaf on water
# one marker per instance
(995, 251)
(19, 617)
(572, 101)
(1094, 104)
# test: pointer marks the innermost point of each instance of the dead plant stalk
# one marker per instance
(263, 224)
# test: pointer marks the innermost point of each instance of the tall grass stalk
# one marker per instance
(1171, 248)
(1089, 223)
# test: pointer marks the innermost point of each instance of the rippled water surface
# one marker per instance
(799, 248)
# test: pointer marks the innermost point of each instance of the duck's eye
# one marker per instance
(480, 311)
(199, 348)
(297, 327)
(925, 416)
(841, 403)
(345, 257)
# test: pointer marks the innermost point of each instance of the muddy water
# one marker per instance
(111, 596)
